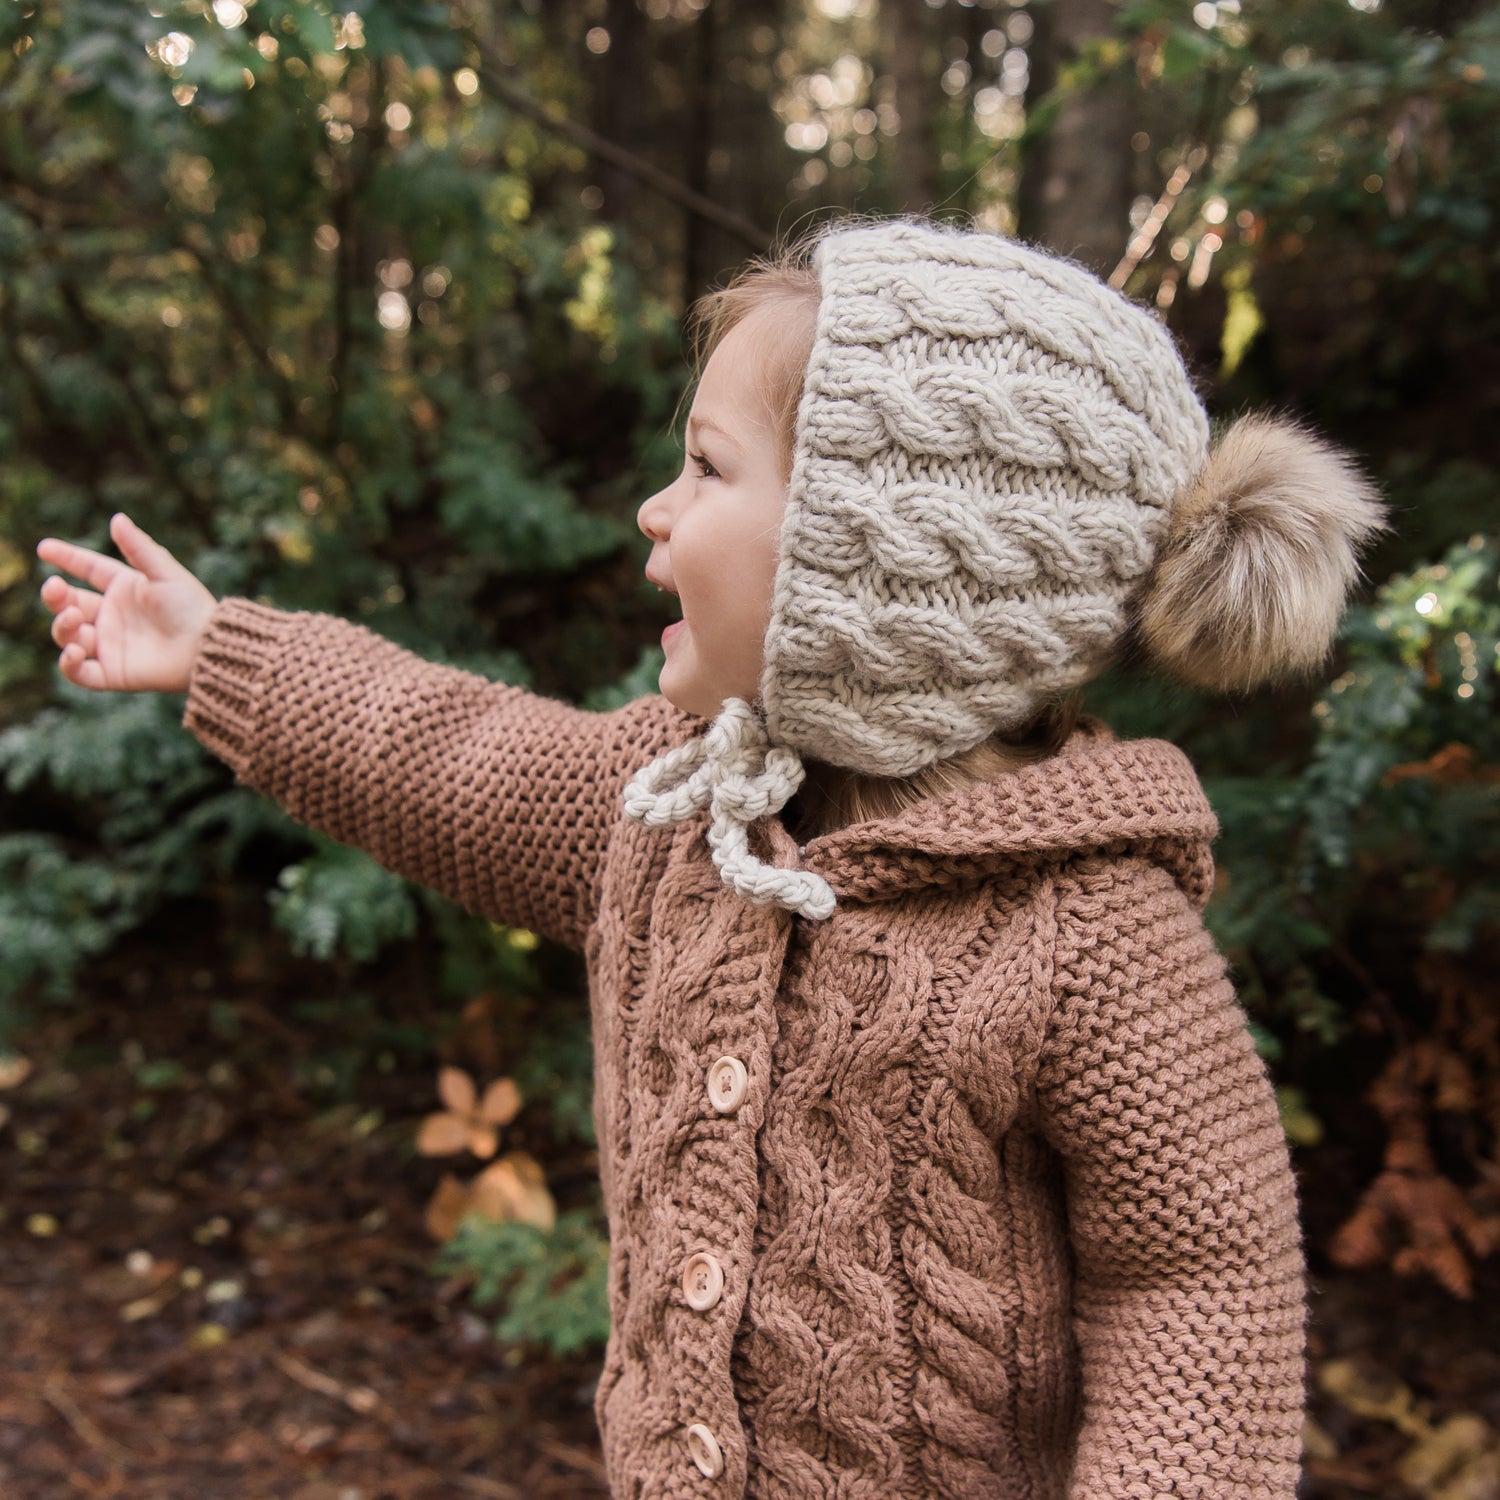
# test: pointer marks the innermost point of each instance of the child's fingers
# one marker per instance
(54, 592)
(93, 567)
(77, 666)
(70, 629)
(65, 626)
(58, 594)
(140, 551)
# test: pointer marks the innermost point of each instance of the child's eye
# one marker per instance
(705, 469)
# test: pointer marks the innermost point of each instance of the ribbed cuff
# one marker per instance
(241, 642)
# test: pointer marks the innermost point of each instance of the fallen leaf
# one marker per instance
(1477, 1480)
(502, 1102)
(1317, 1442)
(117, 1383)
(123, 1283)
(1441, 1453)
(148, 1307)
(442, 1135)
(465, 1124)
(1372, 1394)
(456, 1090)
(515, 1189)
(446, 1208)
(15, 1069)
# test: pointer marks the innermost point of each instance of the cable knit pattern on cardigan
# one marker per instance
(986, 1160)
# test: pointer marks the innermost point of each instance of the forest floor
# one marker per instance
(214, 1282)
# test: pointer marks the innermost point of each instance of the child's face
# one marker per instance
(715, 528)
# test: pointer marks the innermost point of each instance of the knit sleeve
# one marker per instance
(496, 797)
(1188, 1306)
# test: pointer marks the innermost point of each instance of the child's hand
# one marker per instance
(140, 633)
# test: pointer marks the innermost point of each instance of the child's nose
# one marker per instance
(654, 516)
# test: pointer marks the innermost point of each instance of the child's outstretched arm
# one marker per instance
(1188, 1294)
(494, 796)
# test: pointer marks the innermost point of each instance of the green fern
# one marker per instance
(554, 1285)
(340, 899)
(56, 913)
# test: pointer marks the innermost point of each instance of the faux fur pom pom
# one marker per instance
(1259, 559)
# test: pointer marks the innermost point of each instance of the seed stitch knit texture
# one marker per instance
(1004, 1209)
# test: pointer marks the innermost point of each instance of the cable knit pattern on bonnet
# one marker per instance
(988, 449)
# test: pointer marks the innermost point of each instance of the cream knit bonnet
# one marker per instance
(989, 448)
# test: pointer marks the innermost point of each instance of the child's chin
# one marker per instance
(686, 689)
(671, 687)
(685, 697)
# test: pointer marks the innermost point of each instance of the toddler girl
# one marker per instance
(937, 1156)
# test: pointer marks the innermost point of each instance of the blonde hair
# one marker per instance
(785, 283)
(833, 797)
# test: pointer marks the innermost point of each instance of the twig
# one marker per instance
(347, 271)
(1340, 1471)
(575, 1458)
(83, 1425)
(476, 1484)
(40, 209)
(492, 75)
(359, 1398)
(1145, 237)
(150, 440)
(1381, 998)
(235, 314)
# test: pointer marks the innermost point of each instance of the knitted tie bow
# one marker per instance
(737, 774)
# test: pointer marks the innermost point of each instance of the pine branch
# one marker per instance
(495, 77)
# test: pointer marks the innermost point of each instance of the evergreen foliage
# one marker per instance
(553, 1285)
(339, 900)
(1388, 840)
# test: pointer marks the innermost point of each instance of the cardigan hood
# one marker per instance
(1098, 793)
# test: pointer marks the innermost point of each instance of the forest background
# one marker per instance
(376, 309)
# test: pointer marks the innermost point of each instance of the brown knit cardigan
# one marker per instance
(975, 1189)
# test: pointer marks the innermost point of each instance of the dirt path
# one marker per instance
(214, 1282)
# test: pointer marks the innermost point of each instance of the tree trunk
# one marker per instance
(698, 260)
(1075, 181)
(906, 37)
(618, 112)
(976, 22)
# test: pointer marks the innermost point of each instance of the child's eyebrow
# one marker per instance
(714, 427)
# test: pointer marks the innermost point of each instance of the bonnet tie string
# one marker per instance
(735, 772)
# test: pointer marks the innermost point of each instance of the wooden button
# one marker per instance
(702, 1281)
(704, 1449)
(727, 1079)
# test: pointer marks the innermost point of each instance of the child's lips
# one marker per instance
(672, 630)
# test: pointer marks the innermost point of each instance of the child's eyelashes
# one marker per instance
(705, 469)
